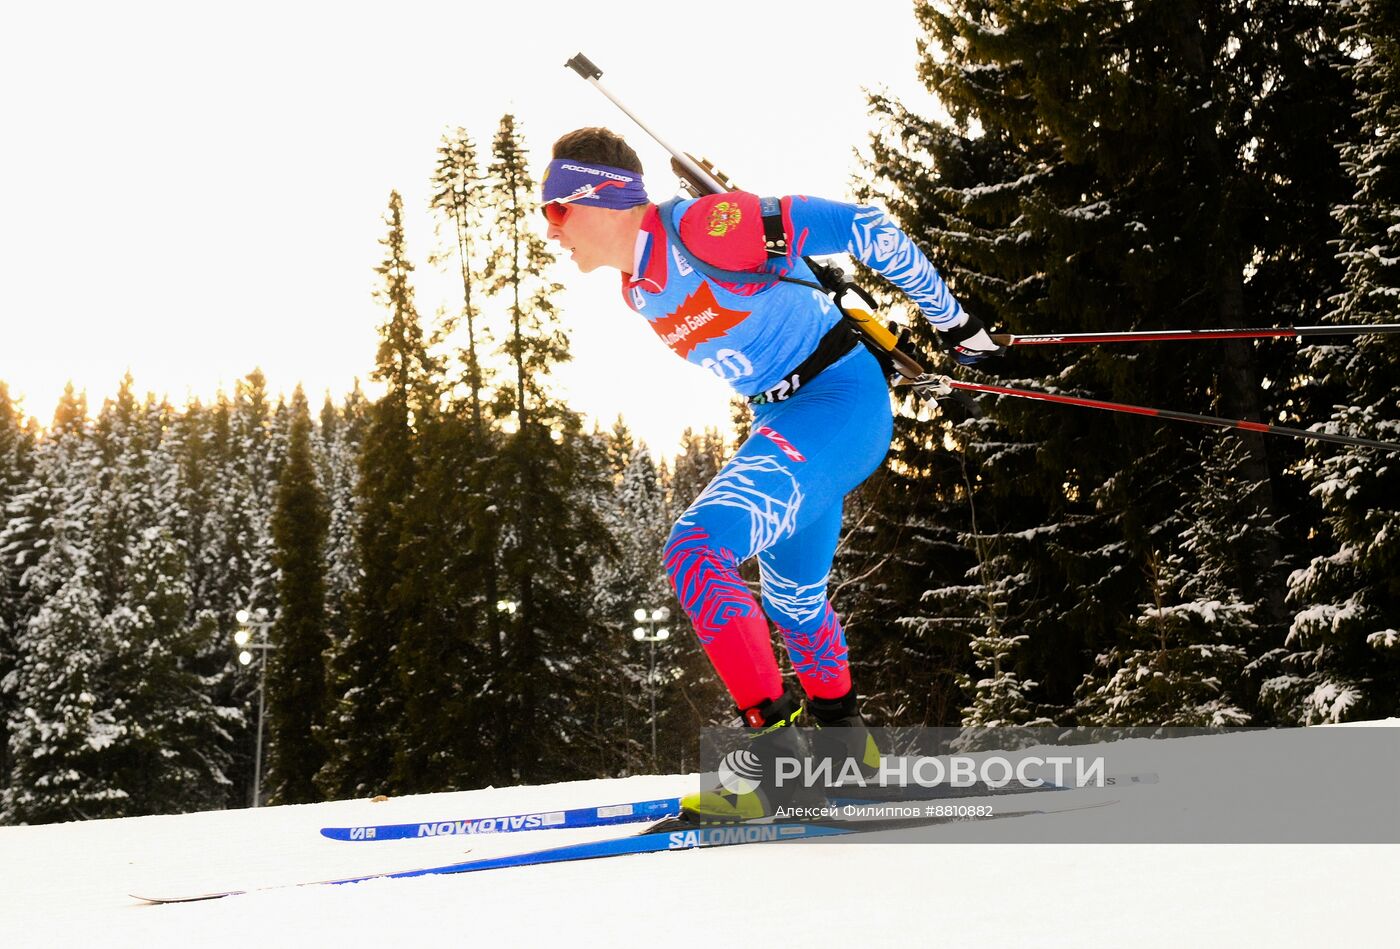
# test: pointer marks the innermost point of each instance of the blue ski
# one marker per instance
(650, 841)
(630, 813)
(640, 811)
(673, 834)
(668, 835)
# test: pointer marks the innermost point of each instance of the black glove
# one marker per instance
(969, 343)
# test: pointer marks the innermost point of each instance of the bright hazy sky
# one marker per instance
(194, 190)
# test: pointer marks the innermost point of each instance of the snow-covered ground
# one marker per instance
(68, 885)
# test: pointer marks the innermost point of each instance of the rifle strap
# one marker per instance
(774, 234)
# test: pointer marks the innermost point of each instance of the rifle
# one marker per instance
(699, 177)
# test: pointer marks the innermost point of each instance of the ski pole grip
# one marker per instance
(872, 327)
(905, 364)
(582, 65)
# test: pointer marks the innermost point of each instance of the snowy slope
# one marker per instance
(67, 885)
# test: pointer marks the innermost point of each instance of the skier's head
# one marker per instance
(598, 146)
(593, 198)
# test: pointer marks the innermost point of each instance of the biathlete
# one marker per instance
(821, 420)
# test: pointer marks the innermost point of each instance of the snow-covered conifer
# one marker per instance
(365, 702)
(1341, 657)
(1179, 660)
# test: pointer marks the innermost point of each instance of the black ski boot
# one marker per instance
(749, 789)
(842, 738)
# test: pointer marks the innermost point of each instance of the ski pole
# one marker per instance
(935, 385)
(1161, 336)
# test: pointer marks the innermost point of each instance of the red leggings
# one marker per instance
(779, 498)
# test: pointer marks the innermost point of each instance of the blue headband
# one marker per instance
(567, 180)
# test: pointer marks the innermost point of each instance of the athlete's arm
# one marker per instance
(727, 231)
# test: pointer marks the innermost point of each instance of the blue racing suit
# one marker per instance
(780, 497)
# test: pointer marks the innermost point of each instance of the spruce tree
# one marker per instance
(339, 438)
(516, 273)
(258, 446)
(634, 513)
(1145, 180)
(1180, 660)
(701, 456)
(174, 751)
(296, 681)
(902, 570)
(116, 721)
(240, 448)
(169, 750)
(121, 509)
(447, 559)
(620, 447)
(119, 719)
(998, 691)
(443, 653)
(57, 727)
(448, 587)
(192, 446)
(205, 435)
(24, 538)
(367, 703)
(545, 535)
(458, 187)
(16, 446)
(1341, 658)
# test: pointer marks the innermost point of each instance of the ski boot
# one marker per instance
(749, 790)
(841, 737)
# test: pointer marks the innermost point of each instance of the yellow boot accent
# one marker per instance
(871, 758)
(722, 807)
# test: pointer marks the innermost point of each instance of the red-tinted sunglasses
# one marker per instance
(556, 214)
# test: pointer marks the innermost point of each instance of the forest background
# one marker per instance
(450, 568)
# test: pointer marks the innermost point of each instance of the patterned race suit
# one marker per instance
(779, 498)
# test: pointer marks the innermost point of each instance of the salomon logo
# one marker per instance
(740, 771)
(491, 825)
(723, 836)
